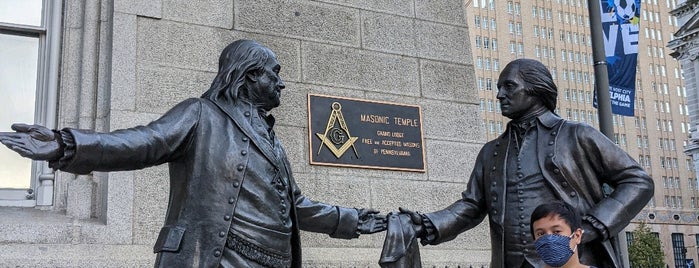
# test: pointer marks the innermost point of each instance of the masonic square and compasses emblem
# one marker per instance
(337, 137)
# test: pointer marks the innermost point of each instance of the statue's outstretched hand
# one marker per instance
(370, 221)
(33, 141)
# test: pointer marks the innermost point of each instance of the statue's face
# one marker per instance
(515, 101)
(266, 85)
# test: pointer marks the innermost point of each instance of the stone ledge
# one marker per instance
(45, 255)
(85, 255)
(34, 226)
(369, 257)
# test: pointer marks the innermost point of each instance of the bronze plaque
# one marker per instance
(366, 134)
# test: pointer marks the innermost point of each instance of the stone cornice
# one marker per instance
(688, 6)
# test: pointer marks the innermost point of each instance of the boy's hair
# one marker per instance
(557, 208)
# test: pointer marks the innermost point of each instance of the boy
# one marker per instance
(557, 232)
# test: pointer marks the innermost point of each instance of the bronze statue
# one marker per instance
(233, 199)
(542, 158)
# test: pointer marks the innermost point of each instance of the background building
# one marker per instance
(557, 33)
(687, 53)
(106, 65)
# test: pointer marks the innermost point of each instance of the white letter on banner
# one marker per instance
(610, 41)
(629, 34)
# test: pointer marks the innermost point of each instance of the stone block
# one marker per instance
(116, 227)
(444, 11)
(295, 140)
(182, 45)
(299, 19)
(73, 17)
(452, 121)
(399, 7)
(443, 42)
(392, 98)
(70, 77)
(393, 193)
(451, 161)
(217, 13)
(152, 9)
(341, 190)
(37, 255)
(120, 120)
(123, 93)
(359, 69)
(198, 47)
(388, 33)
(447, 81)
(150, 201)
(161, 88)
(293, 110)
(80, 197)
(29, 225)
(462, 257)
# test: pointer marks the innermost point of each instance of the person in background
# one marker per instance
(557, 232)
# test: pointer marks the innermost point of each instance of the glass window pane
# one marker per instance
(26, 12)
(18, 74)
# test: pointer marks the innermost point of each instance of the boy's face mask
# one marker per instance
(554, 249)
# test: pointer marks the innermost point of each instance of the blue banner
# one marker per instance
(620, 22)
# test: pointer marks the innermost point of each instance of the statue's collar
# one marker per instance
(548, 119)
(246, 105)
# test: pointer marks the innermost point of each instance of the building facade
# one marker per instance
(106, 65)
(686, 51)
(557, 33)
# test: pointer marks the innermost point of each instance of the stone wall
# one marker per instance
(135, 59)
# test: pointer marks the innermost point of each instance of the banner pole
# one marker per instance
(599, 60)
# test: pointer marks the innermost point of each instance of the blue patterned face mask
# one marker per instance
(554, 249)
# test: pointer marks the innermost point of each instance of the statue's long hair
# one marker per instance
(236, 60)
(538, 79)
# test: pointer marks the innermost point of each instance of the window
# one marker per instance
(511, 26)
(509, 7)
(29, 46)
(678, 250)
(520, 49)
